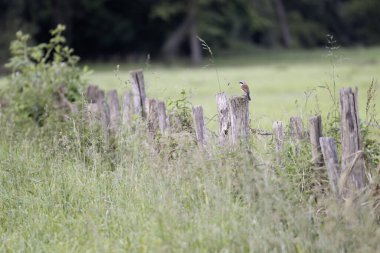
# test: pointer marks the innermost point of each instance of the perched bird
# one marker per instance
(244, 87)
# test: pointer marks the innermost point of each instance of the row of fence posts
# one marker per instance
(350, 173)
(234, 126)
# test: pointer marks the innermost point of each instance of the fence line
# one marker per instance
(234, 127)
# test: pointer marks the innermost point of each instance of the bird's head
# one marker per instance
(241, 82)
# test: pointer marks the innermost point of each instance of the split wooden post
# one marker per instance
(224, 116)
(152, 115)
(315, 130)
(199, 125)
(126, 108)
(352, 155)
(163, 121)
(278, 133)
(113, 101)
(330, 157)
(296, 132)
(138, 92)
(239, 117)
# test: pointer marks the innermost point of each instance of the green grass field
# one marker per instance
(283, 83)
(66, 188)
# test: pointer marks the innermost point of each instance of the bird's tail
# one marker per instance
(248, 97)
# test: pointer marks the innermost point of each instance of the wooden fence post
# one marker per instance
(126, 108)
(296, 132)
(104, 113)
(199, 125)
(296, 128)
(239, 117)
(152, 115)
(113, 101)
(224, 116)
(93, 94)
(315, 129)
(163, 121)
(278, 133)
(330, 157)
(352, 155)
(138, 92)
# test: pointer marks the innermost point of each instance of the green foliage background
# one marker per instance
(118, 28)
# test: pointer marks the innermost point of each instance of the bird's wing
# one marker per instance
(245, 88)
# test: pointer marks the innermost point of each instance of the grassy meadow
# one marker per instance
(282, 84)
(66, 188)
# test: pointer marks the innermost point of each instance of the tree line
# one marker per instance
(170, 28)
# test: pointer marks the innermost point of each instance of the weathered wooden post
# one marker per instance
(199, 125)
(296, 132)
(93, 109)
(278, 133)
(352, 155)
(138, 92)
(330, 157)
(113, 101)
(104, 113)
(239, 117)
(93, 94)
(126, 108)
(163, 121)
(315, 130)
(92, 113)
(152, 115)
(296, 128)
(224, 116)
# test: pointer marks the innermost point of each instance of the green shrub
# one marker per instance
(44, 78)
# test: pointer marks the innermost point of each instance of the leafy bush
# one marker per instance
(44, 78)
(180, 113)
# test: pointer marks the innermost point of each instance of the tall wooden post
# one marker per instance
(278, 134)
(239, 115)
(224, 116)
(126, 108)
(138, 92)
(152, 115)
(199, 125)
(315, 129)
(330, 157)
(113, 101)
(163, 121)
(352, 157)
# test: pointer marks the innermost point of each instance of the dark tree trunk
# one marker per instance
(283, 23)
(171, 46)
(195, 45)
(188, 28)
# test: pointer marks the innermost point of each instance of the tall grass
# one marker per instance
(64, 187)
(63, 192)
